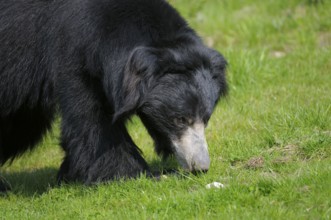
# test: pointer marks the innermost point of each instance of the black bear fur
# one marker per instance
(96, 63)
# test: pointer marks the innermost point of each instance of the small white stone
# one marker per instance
(278, 54)
(215, 185)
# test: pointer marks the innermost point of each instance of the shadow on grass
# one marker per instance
(164, 166)
(31, 183)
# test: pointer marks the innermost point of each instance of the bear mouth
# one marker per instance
(191, 149)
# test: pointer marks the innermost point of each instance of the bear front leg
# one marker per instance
(96, 150)
(110, 157)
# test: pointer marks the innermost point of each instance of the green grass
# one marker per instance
(269, 140)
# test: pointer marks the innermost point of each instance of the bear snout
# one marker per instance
(191, 149)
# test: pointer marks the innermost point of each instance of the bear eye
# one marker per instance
(183, 121)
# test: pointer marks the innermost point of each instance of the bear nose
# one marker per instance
(191, 149)
(201, 160)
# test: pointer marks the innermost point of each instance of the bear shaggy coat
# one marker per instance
(96, 63)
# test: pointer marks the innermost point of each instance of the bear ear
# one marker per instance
(138, 73)
(219, 64)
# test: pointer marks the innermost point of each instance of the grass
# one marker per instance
(269, 140)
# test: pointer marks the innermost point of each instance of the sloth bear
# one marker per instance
(96, 63)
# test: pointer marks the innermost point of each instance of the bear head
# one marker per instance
(174, 91)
